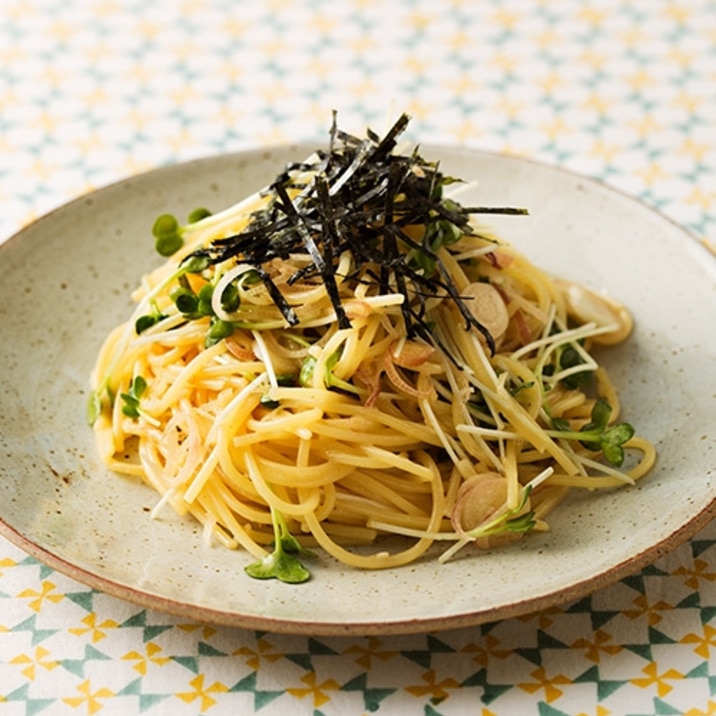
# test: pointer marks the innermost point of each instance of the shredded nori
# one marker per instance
(361, 197)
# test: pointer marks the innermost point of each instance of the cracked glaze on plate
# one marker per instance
(66, 282)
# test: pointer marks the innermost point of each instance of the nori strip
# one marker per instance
(359, 199)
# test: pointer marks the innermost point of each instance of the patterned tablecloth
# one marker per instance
(621, 90)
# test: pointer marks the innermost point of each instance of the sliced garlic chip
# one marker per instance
(485, 303)
(587, 306)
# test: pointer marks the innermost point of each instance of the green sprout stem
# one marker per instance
(132, 396)
(282, 563)
(169, 234)
(329, 378)
(509, 521)
(596, 435)
(95, 404)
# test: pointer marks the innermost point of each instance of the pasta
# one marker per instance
(347, 355)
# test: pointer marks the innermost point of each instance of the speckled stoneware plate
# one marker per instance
(66, 282)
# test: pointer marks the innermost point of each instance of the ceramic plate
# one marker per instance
(66, 282)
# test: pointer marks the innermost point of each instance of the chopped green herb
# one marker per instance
(195, 264)
(230, 299)
(96, 401)
(515, 389)
(308, 367)
(509, 521)
(569, 358)
(167, 234)
(561, 424)
(268, 402)
(612, 441)
(198, 214)
(281, 379)
(132, 396)
(218, 330)
(282, 563)
(147, 321)
(94, 406)
(595, 435)
(185, 300)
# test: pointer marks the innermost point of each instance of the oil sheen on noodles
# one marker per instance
(322, 394)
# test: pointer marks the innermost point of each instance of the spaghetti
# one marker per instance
(345, 355)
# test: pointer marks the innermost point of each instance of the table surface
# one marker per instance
(618, 90)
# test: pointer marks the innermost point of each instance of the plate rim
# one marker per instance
(414, 625)
(410, 625)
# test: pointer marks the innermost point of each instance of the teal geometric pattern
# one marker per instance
(647, 643)
(619, 90)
